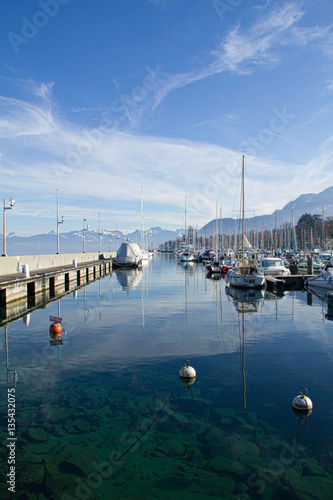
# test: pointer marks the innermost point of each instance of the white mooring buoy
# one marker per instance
(187, 374)
(302, 405)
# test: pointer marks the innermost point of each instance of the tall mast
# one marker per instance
(185, 222)
(141, 218)
(243, 222)
(216, 232)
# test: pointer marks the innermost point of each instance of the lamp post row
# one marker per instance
(59, 221)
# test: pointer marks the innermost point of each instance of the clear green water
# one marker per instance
(104, 415)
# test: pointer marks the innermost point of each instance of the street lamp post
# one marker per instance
(11, 204)
(58, 221)
(85, 228)
(99, 233)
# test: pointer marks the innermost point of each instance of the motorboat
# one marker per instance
(324, 279)
(217, 267)
(207, 255)
(186, 256)
(317, 264)
(273, 266)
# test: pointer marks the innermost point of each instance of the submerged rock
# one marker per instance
(231, 447)
(55, 484)
(32, 475)
(309, 486)
(80, 463)
(172, 448)
(221, 463)
(213, 484)
(37, 435)
(82, 425)
(312, 468)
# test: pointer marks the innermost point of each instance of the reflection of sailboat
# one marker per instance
(245, 301)
(129, 278)
(188, 269)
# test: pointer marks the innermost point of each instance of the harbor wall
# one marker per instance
(12, 264)
(22, 295)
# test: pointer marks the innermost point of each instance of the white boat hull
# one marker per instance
(238, 280)
(324, 280)
(320, 282)
(186, 258)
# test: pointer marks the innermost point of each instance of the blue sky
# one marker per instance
(99, 98)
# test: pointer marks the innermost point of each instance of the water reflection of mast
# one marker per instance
(186, 287)
(217, 311)
(100, 299)
(245, 302)
(59, 344)
(142, 305)
(7, 358)
(243, 360)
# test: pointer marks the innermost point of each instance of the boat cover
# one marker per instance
(129, 252)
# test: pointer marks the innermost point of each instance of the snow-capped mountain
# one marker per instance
(72, 241)
(306, 203)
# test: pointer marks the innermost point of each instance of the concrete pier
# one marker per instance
(20, 296)
(42, 284)
(15, 264)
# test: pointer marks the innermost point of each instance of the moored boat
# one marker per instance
(245, 274)
(273, 266)
(128, 255)
(324, 279)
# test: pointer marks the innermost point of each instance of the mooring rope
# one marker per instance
(322, 441)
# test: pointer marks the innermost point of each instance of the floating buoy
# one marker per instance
(187, 374)
(55, 331)
(302, 405)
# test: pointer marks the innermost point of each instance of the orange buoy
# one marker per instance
(55, 331)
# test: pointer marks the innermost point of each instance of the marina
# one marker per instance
(166, 274)
(103, 410)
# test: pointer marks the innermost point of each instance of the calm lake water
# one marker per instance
(103, 415)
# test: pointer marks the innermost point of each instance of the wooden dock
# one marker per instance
(280, 284)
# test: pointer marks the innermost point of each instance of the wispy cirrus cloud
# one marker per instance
(23, 118)
(243, 49)
(112, 171)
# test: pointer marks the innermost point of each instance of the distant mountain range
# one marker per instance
(306, 203)
(73, 241)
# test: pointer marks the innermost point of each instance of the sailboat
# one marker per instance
(245, 274)
(145, 253)
(186, 255)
